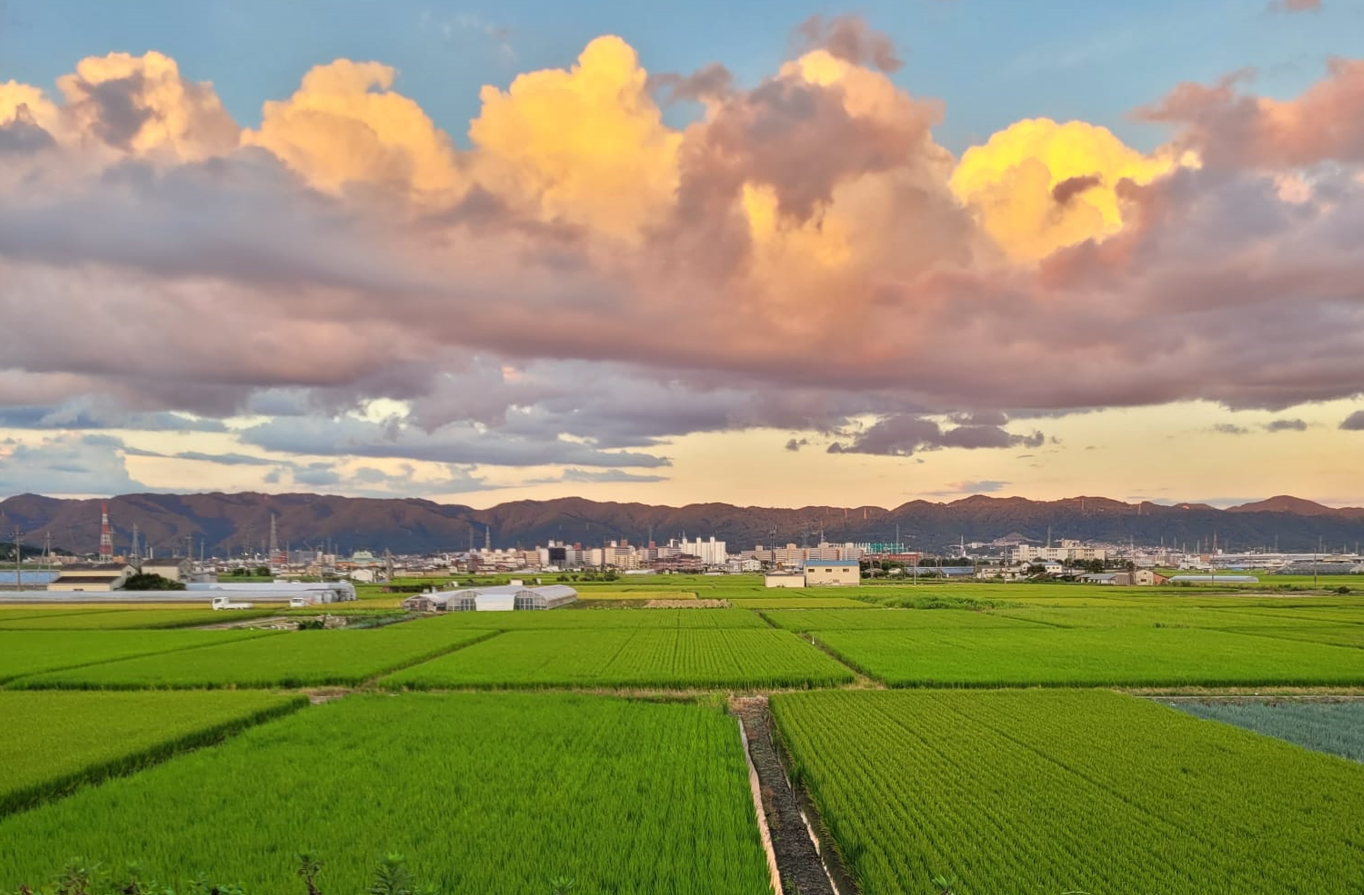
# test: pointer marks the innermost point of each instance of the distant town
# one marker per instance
(1004, 559)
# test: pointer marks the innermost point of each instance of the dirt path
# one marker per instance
(798, 861)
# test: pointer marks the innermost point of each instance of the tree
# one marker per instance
(150, 581)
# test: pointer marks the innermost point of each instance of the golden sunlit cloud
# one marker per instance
(346, 124)
(142, 105)
(1038, 186)
(587, 145)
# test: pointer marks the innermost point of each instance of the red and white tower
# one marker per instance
(106, 535)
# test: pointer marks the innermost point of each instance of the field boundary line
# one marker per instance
(371, 683)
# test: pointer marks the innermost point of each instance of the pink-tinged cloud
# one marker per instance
(805, 257)
(1296, 5)
(1230, 128)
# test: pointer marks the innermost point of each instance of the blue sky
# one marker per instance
(991, 61)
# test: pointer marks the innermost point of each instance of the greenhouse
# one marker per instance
(507, 598)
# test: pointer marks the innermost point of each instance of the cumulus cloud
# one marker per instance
(586, 282)
(1354, 422)
(143, 106)
(347, 126)
(587, 145)
(67, 464)
(1293, 425)
(1038, 186)
(1231, 128)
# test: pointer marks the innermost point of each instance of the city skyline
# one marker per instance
(480, 254)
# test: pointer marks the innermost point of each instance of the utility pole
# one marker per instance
(135, 558)
(18, 562)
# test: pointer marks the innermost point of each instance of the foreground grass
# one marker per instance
(487, 794)
(1068, 791)
(55, 742)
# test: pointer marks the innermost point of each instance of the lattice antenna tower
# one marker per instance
(106, 535)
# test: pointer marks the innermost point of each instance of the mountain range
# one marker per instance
(180, 523)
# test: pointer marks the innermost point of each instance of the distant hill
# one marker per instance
(232, 521)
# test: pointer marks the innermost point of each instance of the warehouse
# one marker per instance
(833, 573)
(91, 577)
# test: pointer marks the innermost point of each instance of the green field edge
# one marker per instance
(8, 683)
(349, 683)
(50, 791)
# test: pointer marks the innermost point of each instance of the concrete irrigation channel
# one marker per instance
(790, 820)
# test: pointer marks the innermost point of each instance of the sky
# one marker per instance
(763, 253)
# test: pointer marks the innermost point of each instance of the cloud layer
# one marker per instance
(585, 281)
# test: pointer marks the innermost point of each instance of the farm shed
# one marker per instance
(833, 573)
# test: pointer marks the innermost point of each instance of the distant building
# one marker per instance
(1068, 551)
(1149, 578)
(95, 577)
(833, 573)
(784, 579)
(172, 569)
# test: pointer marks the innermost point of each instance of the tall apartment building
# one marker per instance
(1069, 550)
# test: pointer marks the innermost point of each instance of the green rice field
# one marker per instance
(30, 652)
(116, 619)
(1089, 657)
(55, 742)
(626, 658)
(484, 793)
(298, 659)
(1056, 791)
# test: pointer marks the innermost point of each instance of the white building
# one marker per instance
(1069, 550)
(711, 552)
(784, 579)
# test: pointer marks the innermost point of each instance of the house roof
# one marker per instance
(811, 563)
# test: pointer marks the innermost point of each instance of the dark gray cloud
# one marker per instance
(448, 444)
(1230, 429)
(23, 136)
(1294, 425)
(1354, 422)
(602, 476)
(851, 39)
(795, 444)
(902, 436)
(85, 414)
(708, 82)
(1071, 187)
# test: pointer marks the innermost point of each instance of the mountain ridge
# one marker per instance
(241, 520)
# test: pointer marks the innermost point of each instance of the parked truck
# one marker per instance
(227, 603)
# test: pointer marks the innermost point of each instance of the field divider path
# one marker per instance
(800, 865)
(864, 680)
(443, 651)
